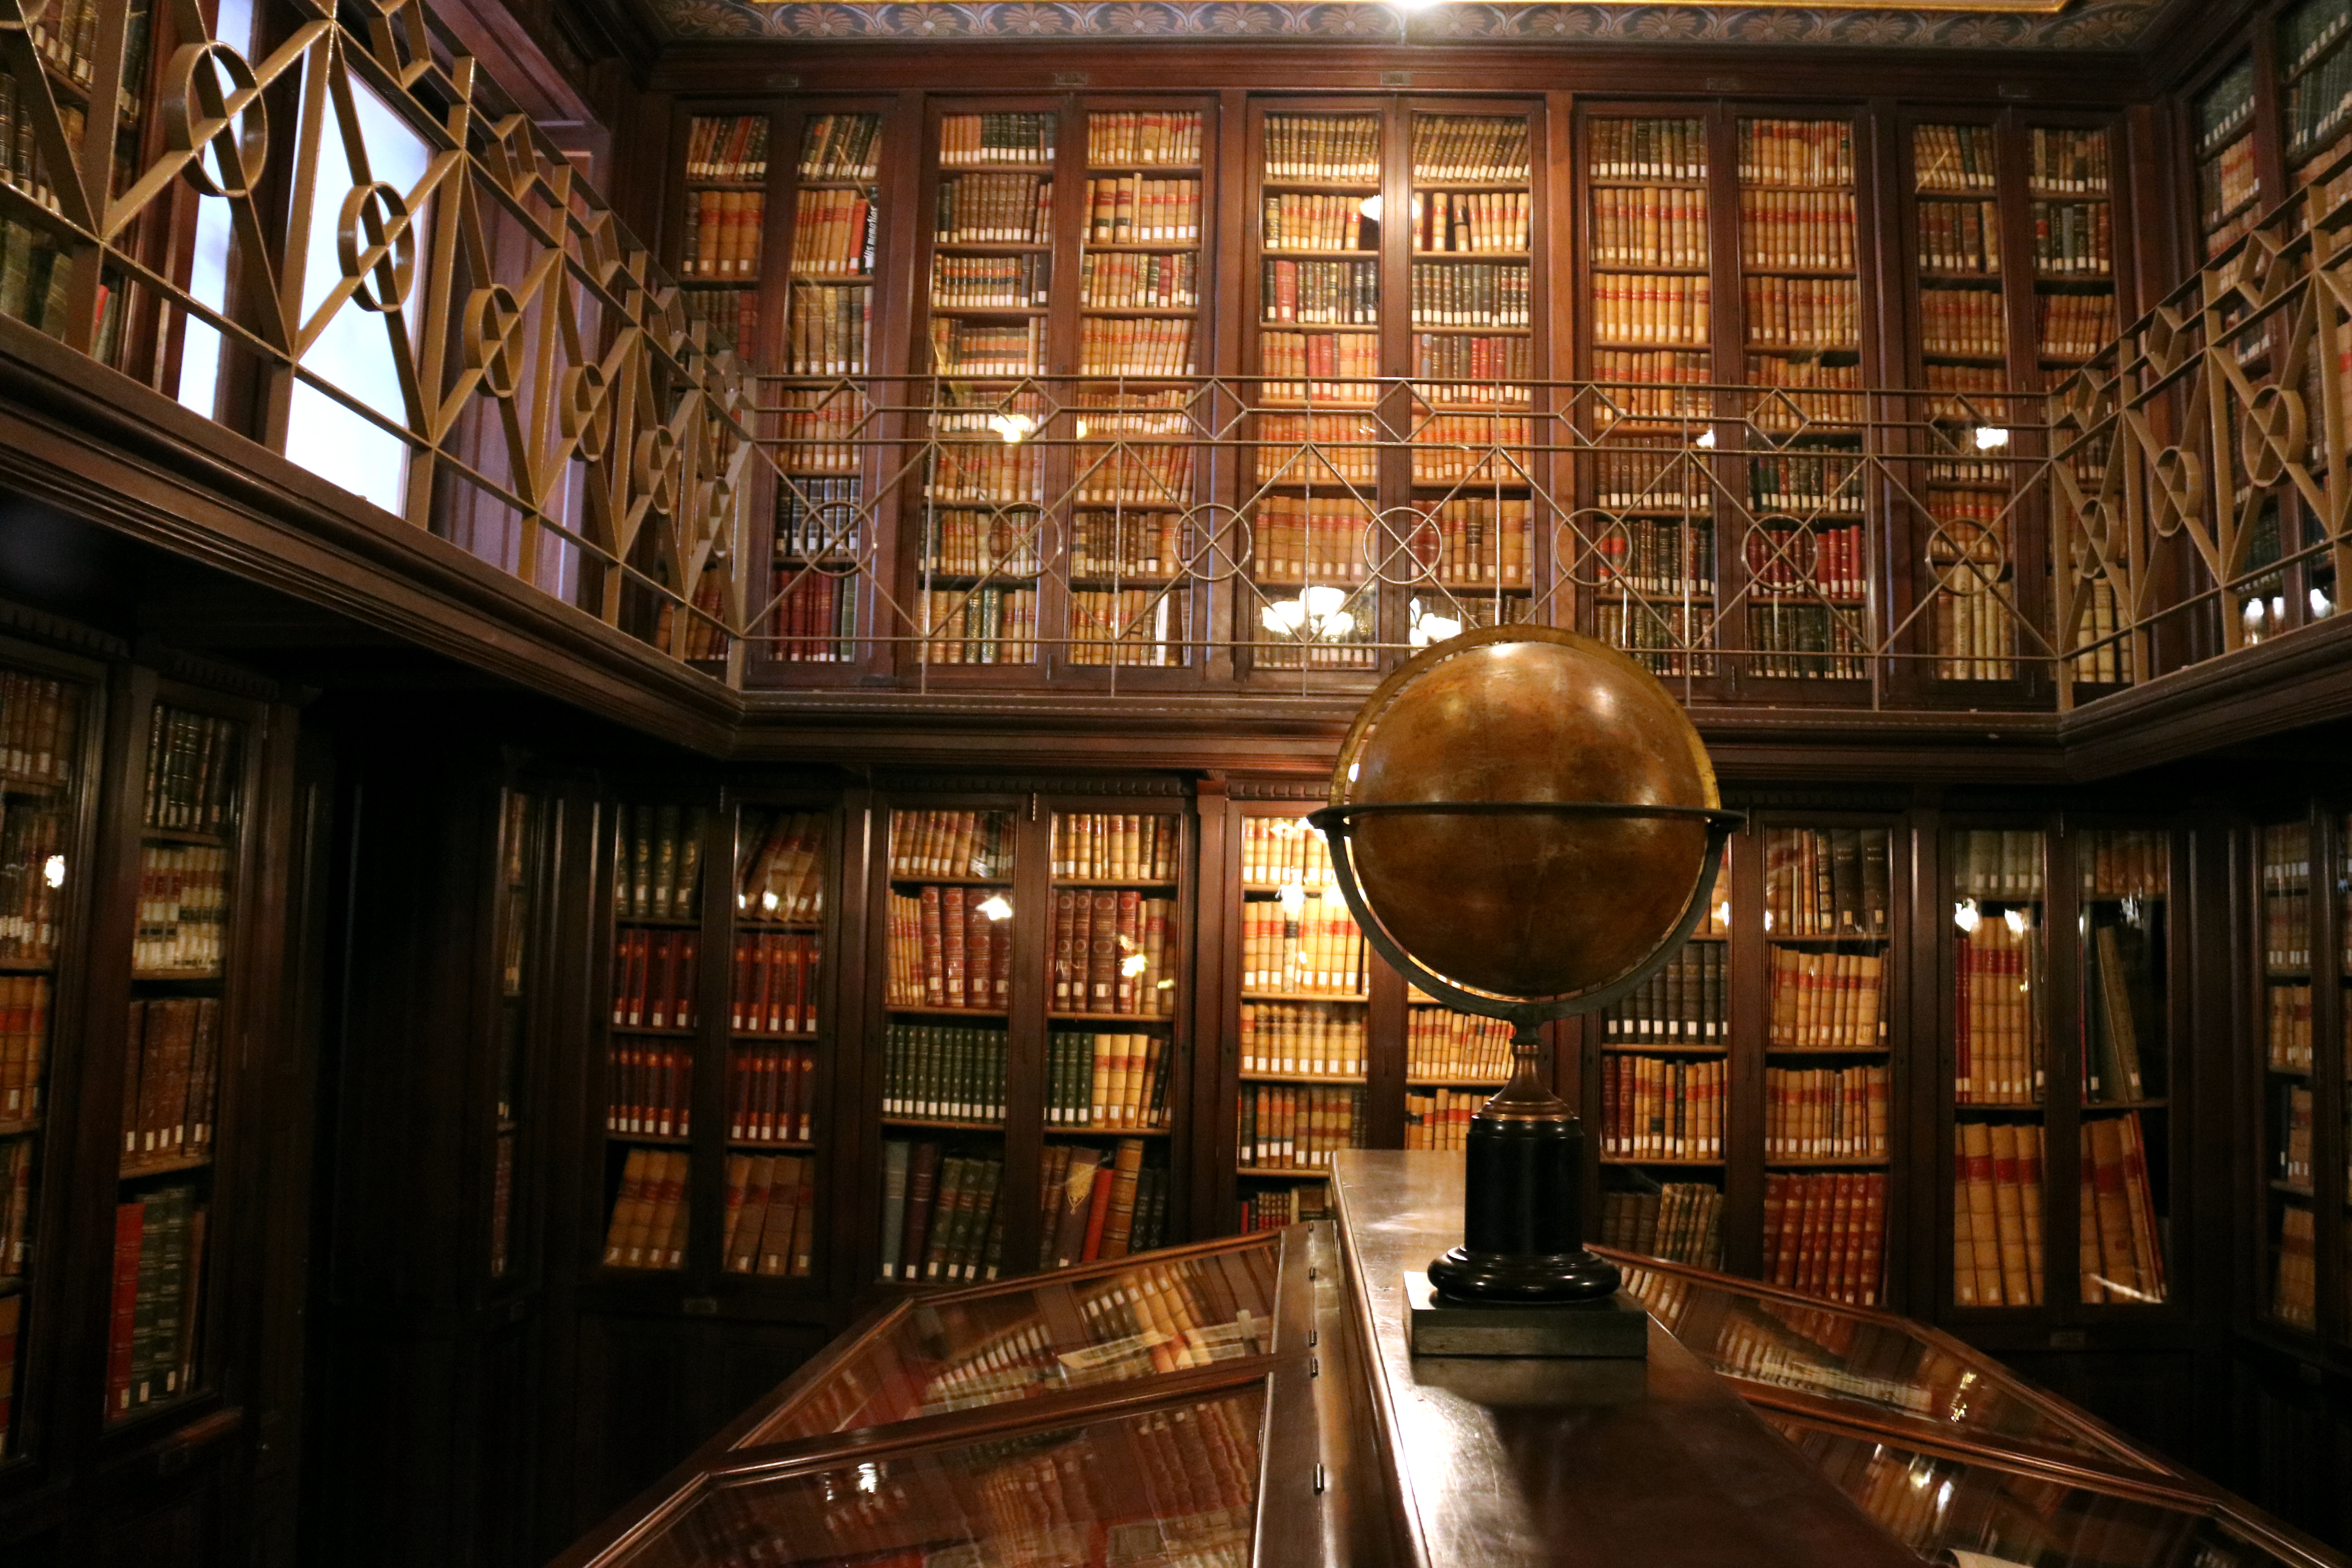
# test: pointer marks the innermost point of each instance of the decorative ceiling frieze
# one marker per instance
(2102, 25)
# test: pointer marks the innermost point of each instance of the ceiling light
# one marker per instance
(996, 906)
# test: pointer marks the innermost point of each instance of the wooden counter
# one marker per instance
(1602, 1464)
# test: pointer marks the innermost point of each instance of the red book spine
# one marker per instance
(129, 1223)
(1098, 1210)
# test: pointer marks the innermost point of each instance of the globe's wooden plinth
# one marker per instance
(1525, 822)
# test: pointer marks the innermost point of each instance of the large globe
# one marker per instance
(1529, 905)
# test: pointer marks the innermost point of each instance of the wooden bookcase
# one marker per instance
(715, 1102)
(983, 1095)
(2065, 1046)
(1770, 1070)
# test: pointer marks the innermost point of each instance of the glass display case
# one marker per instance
(1215, 1404)
(1152, 1410)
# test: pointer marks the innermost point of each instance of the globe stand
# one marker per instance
(1523, 1206)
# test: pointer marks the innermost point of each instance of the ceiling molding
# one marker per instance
(2099, 26)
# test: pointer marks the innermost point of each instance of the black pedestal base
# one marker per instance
(1465, 1276)
(1523, 1222)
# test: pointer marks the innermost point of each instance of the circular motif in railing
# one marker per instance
(229, 158)
(1965, 555)
(1421, 546)
(2274, 435)
(1781, 553)
(2179, 490)
(380, 274)
(1212, 543)
(825, 539)
(1609, 548)
(493, 326)
(585, 413)
(2094, 536)
(654, 470)
(1008, 538)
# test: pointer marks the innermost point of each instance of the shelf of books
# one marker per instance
(983, 519)
(1305, 1036)
(1315, 472)
(190, 816)
(947, 1045)
(1964, 343)
(831, 311)
(652, 1033)
(2070, 182)
(1476, 319)
(1666, 1084)
(2292, 1062)
(1652, 572)
(1803, 558)
(1114, 1081)
(45, 760)
(1828, 945)
(2314, 84)
(779, 1034)
(2227, 179)
(2000, 1080)
(516, 923)
(1144, 240)
(2123, 937)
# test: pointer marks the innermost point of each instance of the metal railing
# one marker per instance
(407, 289)
(1881, 541)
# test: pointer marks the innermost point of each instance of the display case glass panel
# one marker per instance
(1177, 1483)
(1025, 1341)
(1946, 1509)
(1876, 1365)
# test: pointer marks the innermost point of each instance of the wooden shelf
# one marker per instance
(1162, 1019)
(146, 1169)
(183, 836)
(944, 1124)
(1287, 1173)
(1255, 1075)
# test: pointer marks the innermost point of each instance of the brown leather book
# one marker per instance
(922, 1189)
(1103, 958)
(1121, 1225)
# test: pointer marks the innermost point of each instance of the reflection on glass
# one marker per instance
(1880, 1367)
(1028, 1341)
(1936, 1504)
(1167, 1486)
(2126, 1064)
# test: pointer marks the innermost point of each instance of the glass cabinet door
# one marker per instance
(2124, 877)
(946, 1004)
(2000, 1067)
(775, 1032)
(41, 798)
(2291, 1277)
(187, 839)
